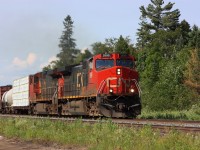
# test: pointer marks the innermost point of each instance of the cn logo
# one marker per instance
(113, 82)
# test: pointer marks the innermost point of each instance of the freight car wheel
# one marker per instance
(31, 109)
(60, 110)
(16, 111)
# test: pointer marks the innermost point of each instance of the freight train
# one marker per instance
(104, 85)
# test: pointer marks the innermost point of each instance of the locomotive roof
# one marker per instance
(113, 55)
(67, 70)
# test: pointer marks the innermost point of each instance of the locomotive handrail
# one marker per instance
(101, 86)
(138, 87)
(55, 96)
(136, 83)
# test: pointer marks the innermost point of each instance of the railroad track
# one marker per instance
(163, 125)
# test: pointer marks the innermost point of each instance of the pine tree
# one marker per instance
(156, 19)
(143, 36)
(185, 30)
(194, 37)
(160, 18)
(67, 44)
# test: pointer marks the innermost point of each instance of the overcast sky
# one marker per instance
(30, 29)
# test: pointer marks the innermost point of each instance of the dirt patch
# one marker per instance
(15, 144)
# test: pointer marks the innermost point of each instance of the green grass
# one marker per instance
(99, 136)
(192, 114)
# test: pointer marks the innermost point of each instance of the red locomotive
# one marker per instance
(104, 85)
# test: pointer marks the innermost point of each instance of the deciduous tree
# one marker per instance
(121, 45)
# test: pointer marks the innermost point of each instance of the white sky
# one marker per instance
(30, 29)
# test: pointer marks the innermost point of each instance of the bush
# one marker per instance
(191, 114)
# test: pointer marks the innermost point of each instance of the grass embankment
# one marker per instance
(192, 114)
(97, 136)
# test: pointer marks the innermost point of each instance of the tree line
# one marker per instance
(167, 52)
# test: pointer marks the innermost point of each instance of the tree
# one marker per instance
(192, 73)
(185, 30)
(194, 37)
(68, 52)
(157, 36)
(162, 42)
(67, 44)
(160, 18)
(122, 45)
(155, 18)
(83, 56)
(119, 45)
(143, 35)
(106, 47)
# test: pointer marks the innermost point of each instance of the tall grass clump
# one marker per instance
(191, 114)
(99, 136)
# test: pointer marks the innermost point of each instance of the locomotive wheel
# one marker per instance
(105, 111)
(108, 112)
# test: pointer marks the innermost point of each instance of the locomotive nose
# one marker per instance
(124, 81)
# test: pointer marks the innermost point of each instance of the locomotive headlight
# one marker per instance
(118, 71)
(132, 90)
(111, 90)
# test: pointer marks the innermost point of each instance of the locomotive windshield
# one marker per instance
(125, 63)
(104, 63)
